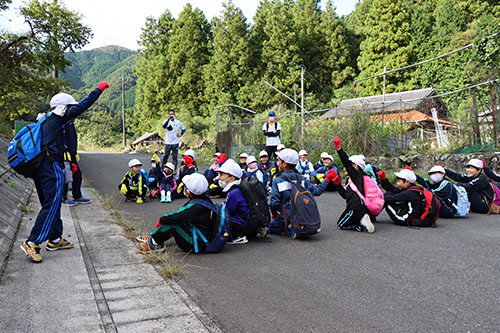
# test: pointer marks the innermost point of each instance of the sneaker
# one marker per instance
(263, 232)
(163, 198)
(367, 223)
(61, 245)
(149, 247)
(143, 238)
(83, 200)
(169, 197)
(32, 251)
(292, 232)
(68, 202)
(238, 240)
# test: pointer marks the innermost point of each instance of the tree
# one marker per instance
(55, 30)
(229, 67)
(387, 43)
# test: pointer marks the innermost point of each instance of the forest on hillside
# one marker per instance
(191, 64)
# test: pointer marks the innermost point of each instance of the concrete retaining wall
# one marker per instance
(15, 191)
(425, 162)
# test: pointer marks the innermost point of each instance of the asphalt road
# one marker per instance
(397, 279)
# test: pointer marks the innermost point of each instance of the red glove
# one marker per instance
(336, 142)
(381, 174)
(408, 168)
(188, 160)
(74, 168)
(484, 164)
(103, 86)
(222, 158)
(333, 176)
(158, 223)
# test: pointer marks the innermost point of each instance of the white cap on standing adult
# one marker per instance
(195, 183)
(289, 156)
(231, 168)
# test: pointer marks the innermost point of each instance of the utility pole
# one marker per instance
(123, 113)
(383, 103)
(493, 113)
(295, 99)
(302, 98)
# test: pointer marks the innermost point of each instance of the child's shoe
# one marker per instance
(169, 196)
(163, 198)
(292, 232)
(238, 240)
(61, 245)
(143, 238)
(140, 201)
(32, 251)
(149, 247)
(367, 223)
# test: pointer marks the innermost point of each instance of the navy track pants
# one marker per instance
(49, 182)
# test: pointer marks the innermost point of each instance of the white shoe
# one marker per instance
(238, 240)
(367, 223)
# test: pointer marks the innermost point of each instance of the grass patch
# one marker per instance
(14, 186)
(23, 207)
(171, 263)
(128, 228)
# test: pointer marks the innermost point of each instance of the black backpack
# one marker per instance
(304, 216)
(255, 193)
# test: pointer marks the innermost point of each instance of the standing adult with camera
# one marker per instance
(172, 127)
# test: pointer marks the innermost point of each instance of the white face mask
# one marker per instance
(436, 177)
(153, 165)
(222, 184)
(271, 118)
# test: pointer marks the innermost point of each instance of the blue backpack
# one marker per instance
(463, 205)
(25, 152)
(222, 224)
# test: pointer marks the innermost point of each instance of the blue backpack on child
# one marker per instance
(223, 227)
(25, 152)
(463, 204)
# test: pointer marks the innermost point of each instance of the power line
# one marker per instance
(422, 62)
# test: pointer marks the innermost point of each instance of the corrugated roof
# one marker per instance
(143, 137)
(406, 100)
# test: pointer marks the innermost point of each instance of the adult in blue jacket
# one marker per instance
(49, 178)
(281, 188)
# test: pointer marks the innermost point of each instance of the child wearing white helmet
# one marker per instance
(443, 189)
(479, 190)
(134, 185)
(180, 224)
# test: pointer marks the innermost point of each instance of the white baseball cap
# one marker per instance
(231, 168)
(302, 152)
(328, 156)
(437, 168)
(324, 154)
(170, 166)
(251, 159)
(407, 175)
(280, 146)
(359, 160)
(475, 163)
(195, 183)
(190, 152)
(217, 154)
(59, 103)
(134, 162)
(263, 153)
(289, 156)
(243, 155)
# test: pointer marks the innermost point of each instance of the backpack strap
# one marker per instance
(197, 232)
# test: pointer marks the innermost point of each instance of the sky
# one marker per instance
(119, 22)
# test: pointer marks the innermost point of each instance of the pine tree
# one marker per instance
(387, 43)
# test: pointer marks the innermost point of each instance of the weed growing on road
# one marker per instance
(171, 263)
(14, 186)
(23, 207)
(109, 203)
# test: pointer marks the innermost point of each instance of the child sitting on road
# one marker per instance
(319, 174)
(230, 175)
(320, 163)
(445, 191)
(179, 224)
(167, 183)
(253, 170)
(304, 167)
(356, 215)
(155, 173)
(134, 184)
(243, 161)
(281, 189)
(210, 173)
(188, 167)
(479, 189)
(402, 204)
